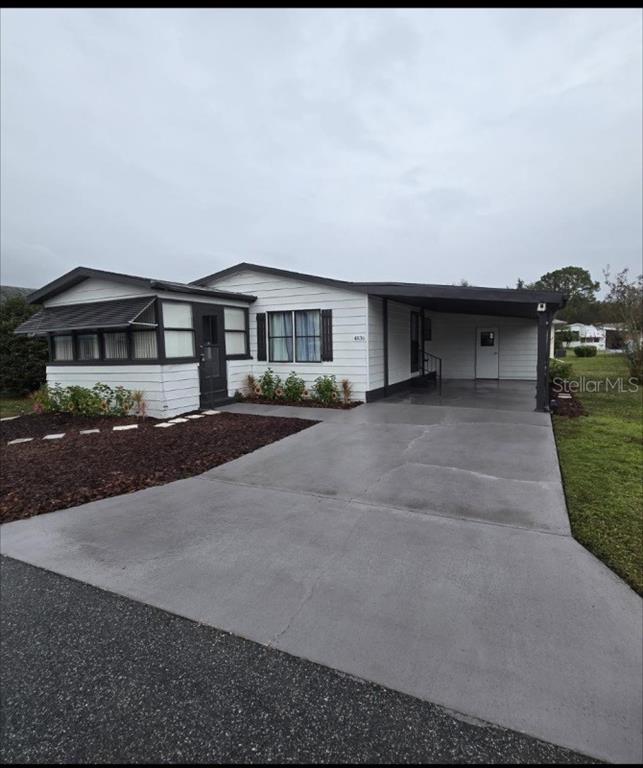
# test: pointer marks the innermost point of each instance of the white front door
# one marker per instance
(487, 353)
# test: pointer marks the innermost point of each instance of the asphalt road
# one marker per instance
(88, 676)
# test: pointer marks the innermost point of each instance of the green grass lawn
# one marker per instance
(601, 457)
(12, 406)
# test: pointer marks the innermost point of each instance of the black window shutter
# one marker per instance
(261, 335)
(327, 334)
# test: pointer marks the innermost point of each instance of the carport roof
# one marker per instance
(516, 302)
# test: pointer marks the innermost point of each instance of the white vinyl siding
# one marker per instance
(168, 389)
(454, 340)
(278, 294)
(97, 289)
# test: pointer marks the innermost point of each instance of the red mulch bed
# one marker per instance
(302, 403)
(569, 407)
(42, 475)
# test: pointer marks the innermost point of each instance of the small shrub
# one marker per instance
(101, 400)
(585, 350)
(239, 397)
(558, 369)
(325, 389)
(250, 384)
(140, 406)
(294, 387)
(269, 384)
(347, 391)
(634, 357)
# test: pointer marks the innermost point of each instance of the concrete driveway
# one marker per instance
(424, 548)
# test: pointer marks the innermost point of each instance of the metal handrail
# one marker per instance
(433, 364)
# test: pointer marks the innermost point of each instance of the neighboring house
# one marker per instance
(192, 345)
(588, 335)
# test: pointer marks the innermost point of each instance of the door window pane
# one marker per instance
(487, 339)
(280, 335)
(210, 330)
(115, 346)
(308, 336)
(179, 344)
(144, 345)
(63, 348)
(177, 315)
(88, 346)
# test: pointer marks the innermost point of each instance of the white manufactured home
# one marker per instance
(192, 345)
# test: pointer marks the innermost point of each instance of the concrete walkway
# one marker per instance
(423, 548)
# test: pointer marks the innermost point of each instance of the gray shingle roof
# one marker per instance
(99, 314)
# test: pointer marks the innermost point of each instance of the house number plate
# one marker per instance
(359, 338)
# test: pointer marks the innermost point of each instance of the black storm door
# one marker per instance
(210, 337)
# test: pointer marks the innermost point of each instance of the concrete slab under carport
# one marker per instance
(497, 394)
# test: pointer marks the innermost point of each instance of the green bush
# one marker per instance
(585, 350)
(558, 369)
(325, 389)
(270, 384)
(22, 358)
(101, 400)
(294, 387)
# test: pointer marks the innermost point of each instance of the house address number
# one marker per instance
(359, 338)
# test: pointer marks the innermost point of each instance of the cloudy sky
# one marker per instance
(427, 146)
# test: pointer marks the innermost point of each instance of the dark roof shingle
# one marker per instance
(119, 313)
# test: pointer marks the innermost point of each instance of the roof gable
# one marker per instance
(80, 274)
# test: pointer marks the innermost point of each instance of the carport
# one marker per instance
(451, 323)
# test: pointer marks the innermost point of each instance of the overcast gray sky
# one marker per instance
(413, 145)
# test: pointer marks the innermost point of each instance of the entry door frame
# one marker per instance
(487, 363)
(218, 393)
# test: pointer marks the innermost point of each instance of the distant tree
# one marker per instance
(520, 284)
(22, 359)
(464, 283)
(576, 282)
